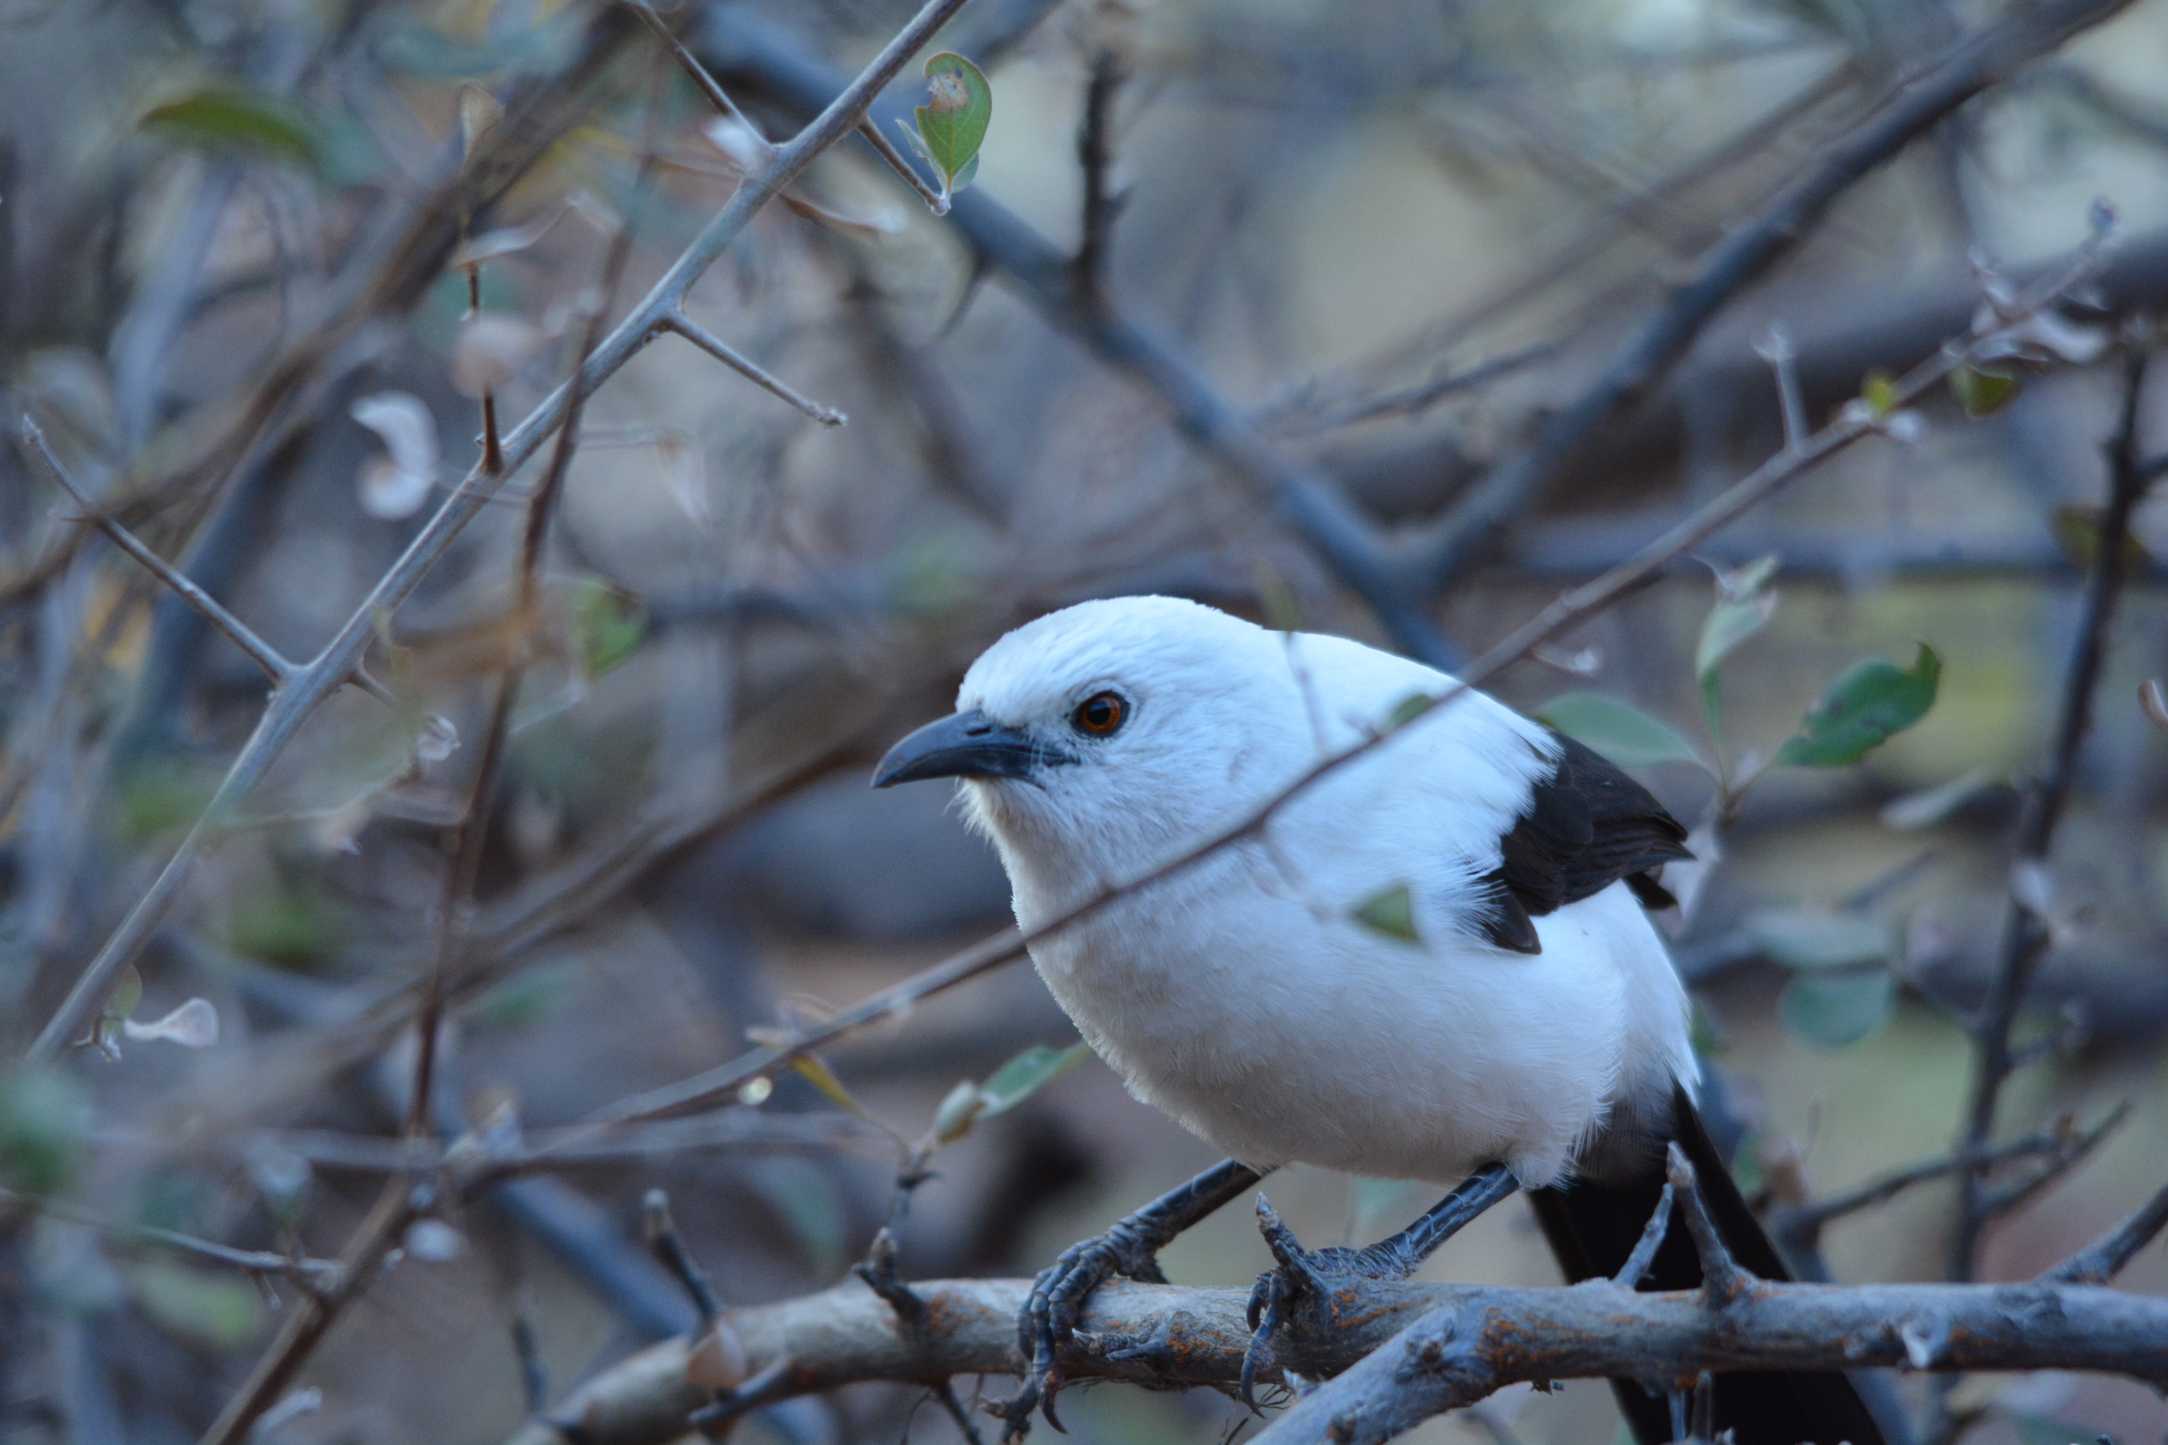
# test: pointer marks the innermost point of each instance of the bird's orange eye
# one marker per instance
(1100, 715)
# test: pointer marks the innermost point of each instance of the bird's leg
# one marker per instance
(1130, 1248)
(1307, 1278)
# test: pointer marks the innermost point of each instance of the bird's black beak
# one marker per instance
(966, 745)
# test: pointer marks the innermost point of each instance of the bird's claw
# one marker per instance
(1305, 1279)
(1056, 1303)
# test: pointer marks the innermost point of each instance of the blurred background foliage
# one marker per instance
(1395, 235)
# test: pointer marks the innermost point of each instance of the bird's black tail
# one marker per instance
(1592, 1228)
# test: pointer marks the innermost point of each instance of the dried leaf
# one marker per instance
(394, 486)
(491, 348)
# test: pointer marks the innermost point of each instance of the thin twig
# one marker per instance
(292, 705)
(669, 1247)
(887, 150)
(1652, 1239)
(709, 87)
(746, 367)
(2024, 936)
(396, 1208)
(310, 1273)
(262, 653)
(1801, 1225)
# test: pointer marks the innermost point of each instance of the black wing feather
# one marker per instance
(1586, 827)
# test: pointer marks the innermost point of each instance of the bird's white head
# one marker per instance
(1114, 729)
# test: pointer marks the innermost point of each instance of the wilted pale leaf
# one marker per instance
(432, 1241)
(820, 1076)
(478, 112)
(506, 240)
(1833, 1010)
(491, 348)
(959, 1110)
(1867, 705)
(437, 740)
(743, 149)
(395, 485)
(194, 1025)
(1620, 731)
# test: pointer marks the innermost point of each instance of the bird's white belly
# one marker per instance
(1284, 1032)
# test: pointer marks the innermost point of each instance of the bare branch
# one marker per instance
(709, 87)
(751, 370)
(669, 1247)
(2024, 936)
(1095, 157)
(262, 653)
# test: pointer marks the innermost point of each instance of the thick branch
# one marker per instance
(1465, 1342)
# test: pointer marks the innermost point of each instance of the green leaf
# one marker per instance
(1390, 911)
(1982, 393)
(1833, 1010)
(952, 124)
(44, 1116)
(1618, 730)
(1024, 1075)
(1408, 709)
(230, 118)
(606, 626)
(223, 1311)
(1813, 938)
(1879, 391)
(1870, 703)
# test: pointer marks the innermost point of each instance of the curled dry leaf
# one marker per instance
(506, 240)
(736, 141)
(194, 1025)
(437, 740)
(479, 111)
(433, 1241)
(491, 349)
(396, 484)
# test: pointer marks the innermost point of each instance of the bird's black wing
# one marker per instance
(1587, 826)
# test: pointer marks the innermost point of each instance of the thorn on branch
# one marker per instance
(707, 83)
(534, 1380)
(262, 653)
(716, 347)
(669, 1247)
(1652, 1239)
(1723, 1279)
(878, 1270)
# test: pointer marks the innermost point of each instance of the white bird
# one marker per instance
(1531, 1035)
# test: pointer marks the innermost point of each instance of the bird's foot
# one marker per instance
(1304, 1291)
(1050, 1315)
